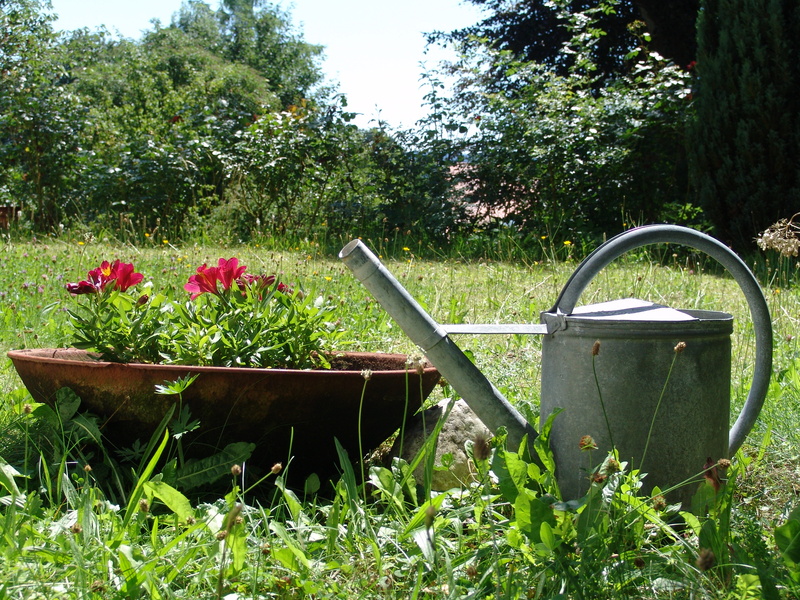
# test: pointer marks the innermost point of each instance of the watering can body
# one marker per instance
(619, 374)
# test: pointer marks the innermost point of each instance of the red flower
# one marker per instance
(261, 281)
(226, 272)
(204, 281)
(229, 271)
(83, 287)
(122, 274)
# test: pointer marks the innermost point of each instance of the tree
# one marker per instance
(536, 30)
(40, 119)
(746, 136)
(261, 36)
(566, 154)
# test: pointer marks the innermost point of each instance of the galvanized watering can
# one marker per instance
(665, 414)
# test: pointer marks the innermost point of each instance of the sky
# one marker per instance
(373, 48)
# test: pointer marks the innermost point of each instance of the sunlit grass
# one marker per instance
(303, 547)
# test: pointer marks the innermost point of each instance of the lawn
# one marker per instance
(71, 534)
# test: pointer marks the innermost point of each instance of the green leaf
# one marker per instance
(511, 471)
(208, 470)
(547, 536)
(787, 538)
(67, 403)
(530, 512)
(175, 501)
(291, 499)
(542, 442)
(7, 474)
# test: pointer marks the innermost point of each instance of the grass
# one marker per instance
(74, 532)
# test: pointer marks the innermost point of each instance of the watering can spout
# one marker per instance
(482, 397)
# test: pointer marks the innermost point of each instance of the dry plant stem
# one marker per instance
(360, 444)
(602, 404)
(655, 412)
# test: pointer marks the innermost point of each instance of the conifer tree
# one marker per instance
(746, 135)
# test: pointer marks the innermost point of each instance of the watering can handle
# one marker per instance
(759, 312)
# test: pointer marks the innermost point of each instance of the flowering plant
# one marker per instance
(232, 318)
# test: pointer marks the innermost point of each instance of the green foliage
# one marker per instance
(41, 120)
(744, 139)
(255, 322)
(556, 154)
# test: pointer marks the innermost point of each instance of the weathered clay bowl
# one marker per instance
(262, 406)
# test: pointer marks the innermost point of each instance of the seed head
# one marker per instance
(680, 347)
(587, 443)
(596, 348)
(276, 468)
(598, 477)
(659, 502)
(706, 559)
(481, 449)
(27, 408)
(144, 505)
(366, 374)
(76, 528)
(221, 535)
(430, 514)
(87, 468)
(723, 463)
(236, 470)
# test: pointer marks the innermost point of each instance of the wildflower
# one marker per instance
(587, 443)
(611, 465)
(366, 374)
(567, 243)
(723, 463)
(659, 502)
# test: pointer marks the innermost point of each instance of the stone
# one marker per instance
(462, 425)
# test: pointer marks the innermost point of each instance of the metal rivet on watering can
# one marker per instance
(629, 369)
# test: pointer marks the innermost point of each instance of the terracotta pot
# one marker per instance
(240, 404)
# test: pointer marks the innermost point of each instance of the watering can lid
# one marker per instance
(631, 309)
